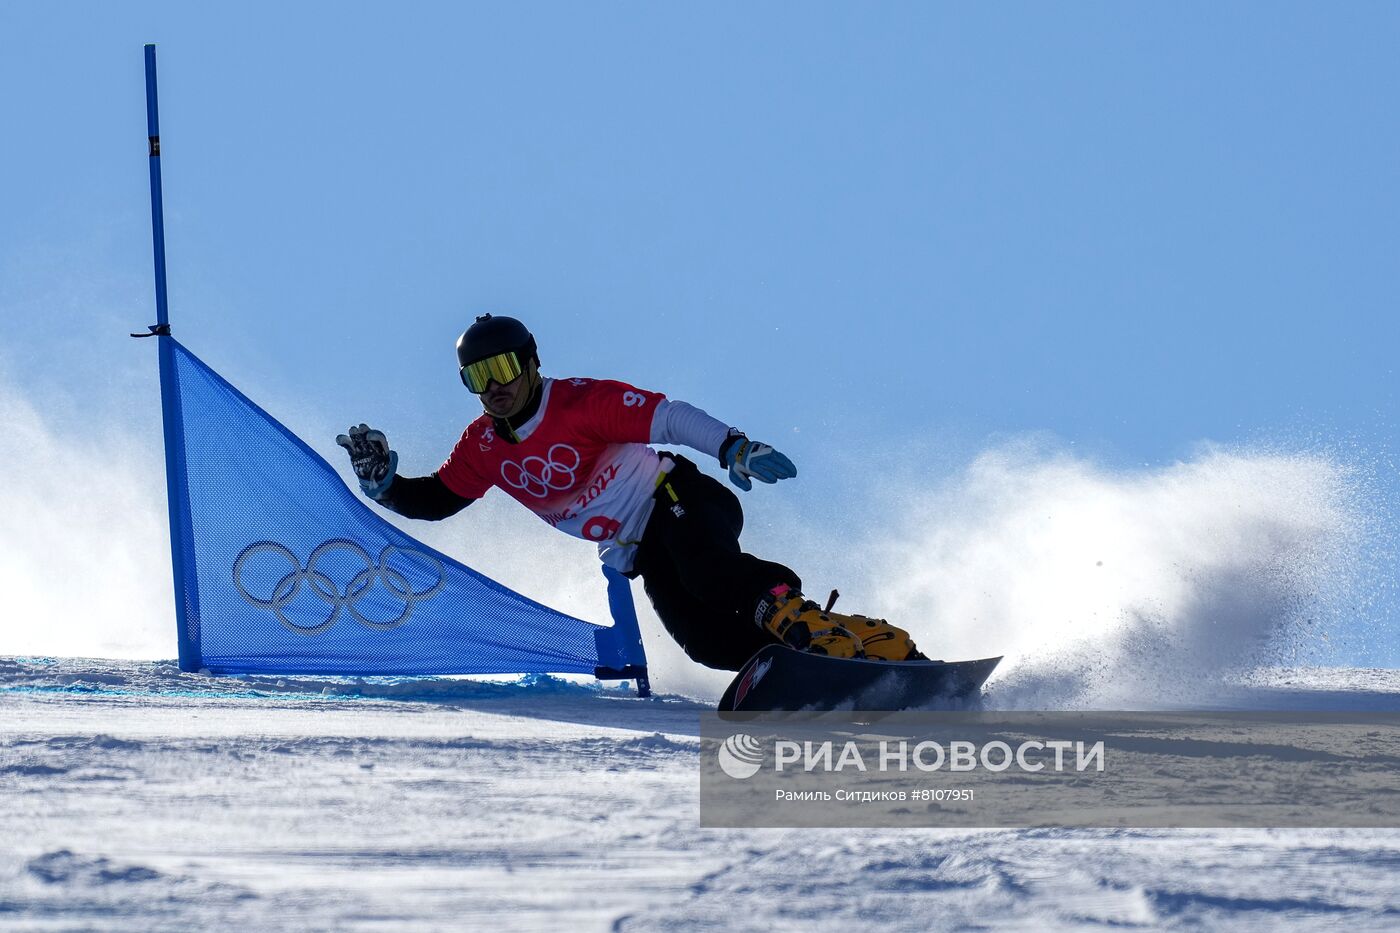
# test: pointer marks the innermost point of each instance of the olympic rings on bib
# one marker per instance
(537, 475)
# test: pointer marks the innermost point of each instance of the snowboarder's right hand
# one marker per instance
(371, 457)
(745, 458)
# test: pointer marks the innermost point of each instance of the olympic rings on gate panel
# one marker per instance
(324, 587)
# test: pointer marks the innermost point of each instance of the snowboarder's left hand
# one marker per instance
(371, 457)
(745, 458)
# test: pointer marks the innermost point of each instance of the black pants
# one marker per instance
(704, 588)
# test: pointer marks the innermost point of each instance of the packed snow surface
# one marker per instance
(136, 797)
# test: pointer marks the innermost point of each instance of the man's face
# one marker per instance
(502, 401)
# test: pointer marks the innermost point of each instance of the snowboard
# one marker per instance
(781, 678)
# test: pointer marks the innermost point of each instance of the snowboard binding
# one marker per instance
(801, 624)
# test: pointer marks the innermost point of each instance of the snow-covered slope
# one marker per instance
(135, 797)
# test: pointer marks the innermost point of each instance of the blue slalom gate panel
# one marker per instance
(282, 568)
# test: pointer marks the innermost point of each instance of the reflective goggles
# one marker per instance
(503, 368)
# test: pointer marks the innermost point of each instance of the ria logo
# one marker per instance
(740, 756)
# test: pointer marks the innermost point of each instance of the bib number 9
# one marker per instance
(601, 528)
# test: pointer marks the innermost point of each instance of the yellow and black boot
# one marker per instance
(801, 624)
(878, 639)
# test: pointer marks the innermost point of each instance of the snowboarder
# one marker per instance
(574, 452)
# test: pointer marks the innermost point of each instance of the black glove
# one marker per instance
(371, 457)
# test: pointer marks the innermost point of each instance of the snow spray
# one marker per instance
(1133, 588)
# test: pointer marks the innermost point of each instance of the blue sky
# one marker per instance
(855, 230)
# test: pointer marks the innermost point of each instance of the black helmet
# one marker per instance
(492, 335)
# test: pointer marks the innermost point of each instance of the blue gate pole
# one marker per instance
(157, 209)
(177, 496)
(620, 650)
